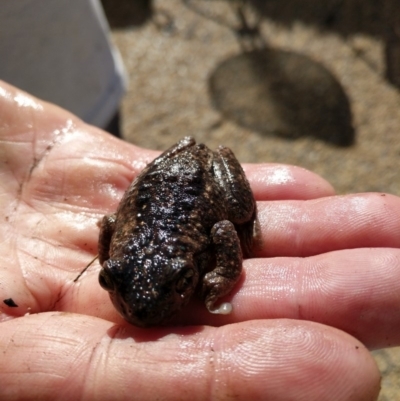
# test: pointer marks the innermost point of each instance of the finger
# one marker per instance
(278, 182)
(296, 228)
(43, 355)
(357, 291)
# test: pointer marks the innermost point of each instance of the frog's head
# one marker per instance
(151, 293)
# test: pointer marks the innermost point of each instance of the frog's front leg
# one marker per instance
(107, 228)
(221, 280)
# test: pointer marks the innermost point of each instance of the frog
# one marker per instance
(182, 227)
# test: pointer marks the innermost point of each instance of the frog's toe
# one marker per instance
(224, 309)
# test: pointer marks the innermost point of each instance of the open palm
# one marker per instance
(327, 265)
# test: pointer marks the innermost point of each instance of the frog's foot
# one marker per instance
(221, 280)
(215, 287)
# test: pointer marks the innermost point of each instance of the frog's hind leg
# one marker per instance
(231, 178)
(241, 206)
(221, 280)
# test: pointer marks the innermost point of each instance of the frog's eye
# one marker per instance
(105, 280)
(185, 281)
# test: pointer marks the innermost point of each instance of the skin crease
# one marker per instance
(322, 289)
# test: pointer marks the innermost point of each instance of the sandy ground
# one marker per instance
(296, 82)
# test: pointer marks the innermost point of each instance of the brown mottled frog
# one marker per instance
(179, 229)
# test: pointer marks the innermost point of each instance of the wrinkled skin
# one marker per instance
(185, 210)
(324, 285)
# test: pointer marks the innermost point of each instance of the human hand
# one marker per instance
(326, 263)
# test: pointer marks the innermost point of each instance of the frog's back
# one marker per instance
(173, 199)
